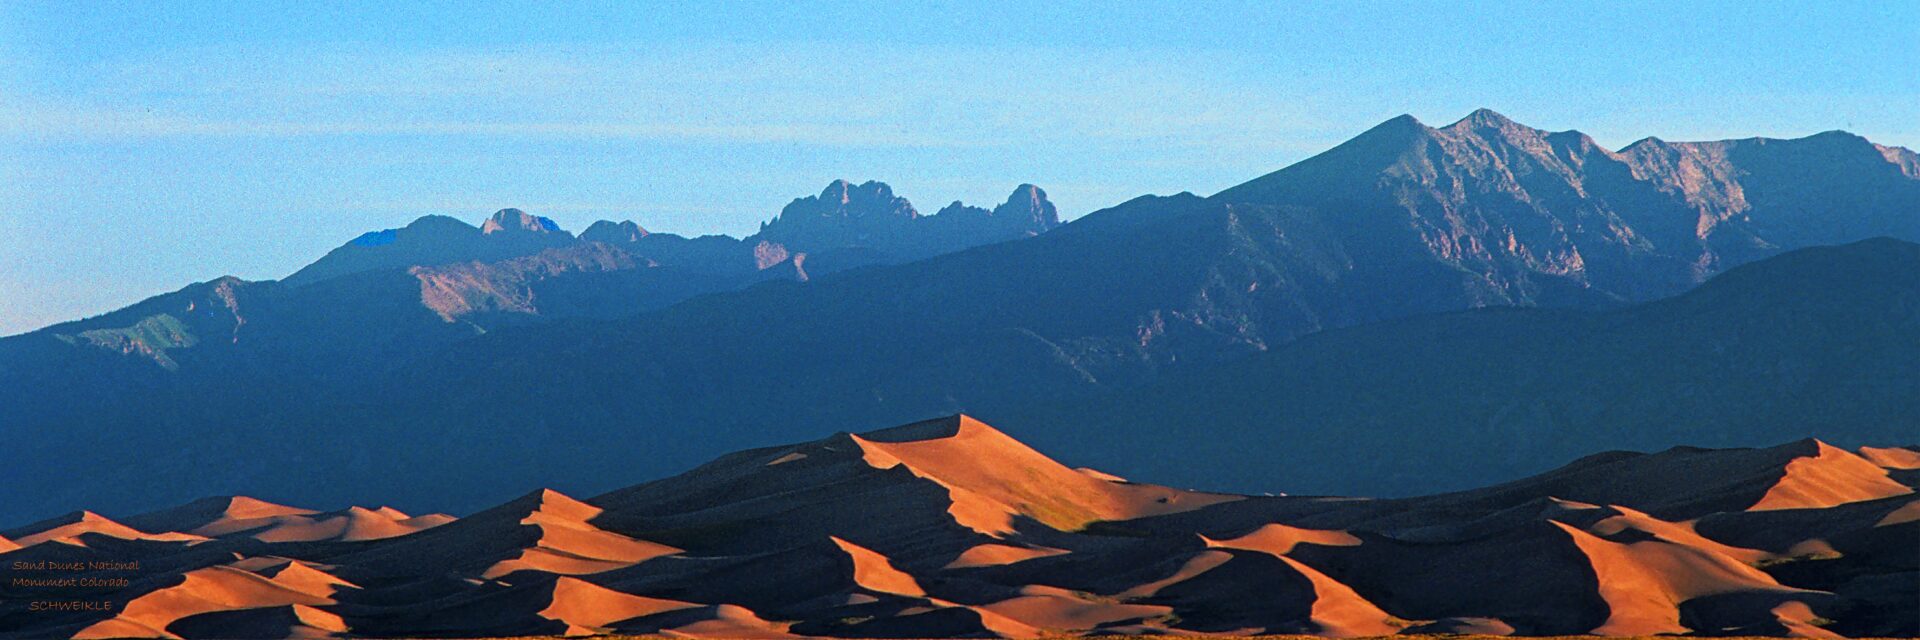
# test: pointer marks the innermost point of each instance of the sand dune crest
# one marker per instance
(1279, 539)
(200, 591)
(590, 607)
(1020, 481)
(1831, 477)
(875, 572)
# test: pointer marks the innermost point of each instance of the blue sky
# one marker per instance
(144, 147)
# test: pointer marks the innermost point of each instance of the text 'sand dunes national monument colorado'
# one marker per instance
(1455, 377)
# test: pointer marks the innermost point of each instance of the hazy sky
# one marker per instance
(145, 147)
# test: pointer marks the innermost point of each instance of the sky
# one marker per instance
(145, 146)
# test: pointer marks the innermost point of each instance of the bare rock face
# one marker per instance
(1525, 212)
(517, 221)
(1027, 211)
(869, 216)
(843, 215)
(436, 240)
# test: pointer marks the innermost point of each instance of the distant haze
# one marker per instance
(143, 148)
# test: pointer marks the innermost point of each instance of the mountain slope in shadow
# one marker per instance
(1818, 341)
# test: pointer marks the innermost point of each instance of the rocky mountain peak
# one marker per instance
(843, 199)
(839, 191)
(1028, 205)
(515, 220)
(1403, 121)
(612, 232)
(842, 214)
(960, 209)
(1484, 118)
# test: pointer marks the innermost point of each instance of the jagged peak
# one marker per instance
(1028, 195)
(960, 208)
(1029, 202)
(1027, 192)
(842, 199)
(515, 220)
(844, 191)
(612, 232)
(837, 191)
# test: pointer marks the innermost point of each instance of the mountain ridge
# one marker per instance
(1154, 288)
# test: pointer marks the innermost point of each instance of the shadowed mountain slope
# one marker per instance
(1819, 341)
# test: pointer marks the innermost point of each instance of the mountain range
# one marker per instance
(951, 528)
(1816, 341)
(554, 360)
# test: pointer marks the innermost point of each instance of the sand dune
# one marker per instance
(201, 591)
(544, 531)
(1059, 611)
(298, 575)
(1680, 533)
(1338, 611)
(69, 529)
(290, 621)
(1892, 457)
(218, 516)
(728, 621)
(949, 528)
(874, 571)
(1903, 515)
(1831, 477)
(1279, 539)
(1020, 481)
(568, 545)
(229, 516)
(1198, 564)
(991, 554)
(1644, 583)
(353, 524)
(587, 608)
